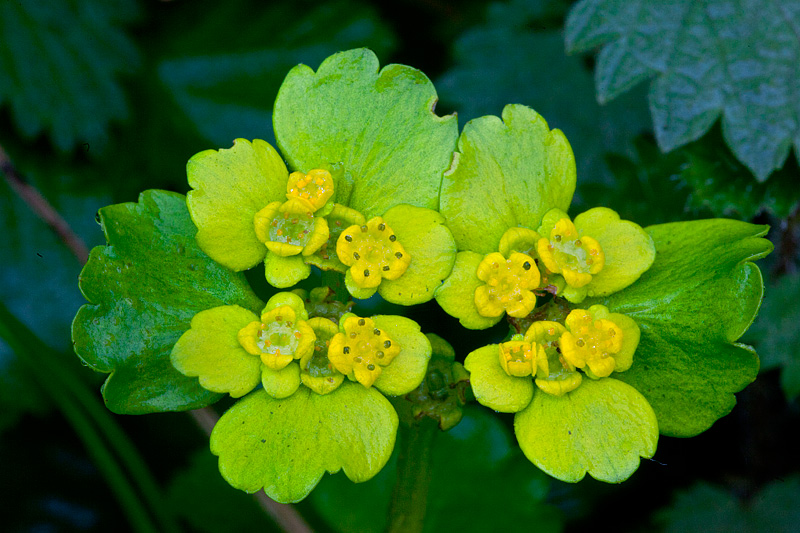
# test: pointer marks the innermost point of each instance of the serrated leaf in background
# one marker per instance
(228, 92)
(490, 72)
(709, 58)
(704, 507)
(59, 67)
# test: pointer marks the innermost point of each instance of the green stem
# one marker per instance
(410, 493)
(92, 423)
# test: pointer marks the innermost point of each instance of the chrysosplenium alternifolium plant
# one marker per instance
(616, 333)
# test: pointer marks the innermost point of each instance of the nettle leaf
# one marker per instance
(143, 290)
(725, 187)
(709, 59)
(378, 123)
(228, 92)
(775, 333)
(704, 507)
(528, 168)
(59, 63)
(285, 446)
(535, 71)
(697, 299)
(475, 453)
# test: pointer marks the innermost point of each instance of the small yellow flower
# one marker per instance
(312, 190)
(554, 374)
(509, 285)
(591, 343)
(573, 256)
(316, 370)
(518, 358)
(279, 338)
(362, 350)
(290, 228)
(372, 252)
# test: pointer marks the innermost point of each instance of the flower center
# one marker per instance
(278, 339)
(509, 285)
(312, 189)
(291, 228)
(591, 343)
(316, 370)
(372, 252)
(574, 257)
(554, 374)
(518, 358)
(362, 350)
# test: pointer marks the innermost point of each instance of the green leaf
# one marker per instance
(211, 351)
(59, 64)
(379, 124)
(407, 370)
(601, 428)
(775, 333)
(143, 290)
(727, 188)
(534, 70)
(425, 237)
(704, 507)
(202, 498)
(697, 299)
(285, 446)
(492, 386)
(230, 187)
(456, 295)
(226, 82)
(520, 164)
(464, 494)
(709, 59)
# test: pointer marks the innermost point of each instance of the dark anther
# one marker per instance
(346, 350)
(381, 226)
(392, 238)
(355, 254)
(376, 331)
(526, 265)
(398, 255)
(387, 344)
(386, 268)
(364, 229)
(348, 238)
(366, 273)
(361, 321)
(370, 367)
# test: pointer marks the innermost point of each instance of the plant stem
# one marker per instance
(410, 493)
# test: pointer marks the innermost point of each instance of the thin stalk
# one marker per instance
(335, 281)
(410, 493)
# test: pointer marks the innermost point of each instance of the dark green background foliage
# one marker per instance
(102, 100)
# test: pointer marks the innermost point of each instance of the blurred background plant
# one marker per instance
(100, 100)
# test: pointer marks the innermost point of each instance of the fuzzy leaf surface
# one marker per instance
(59, 64)
(710, 59)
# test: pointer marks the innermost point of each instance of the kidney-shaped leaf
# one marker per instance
(379, 125)
(285, 446)
(697, 299)
(143, 290)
